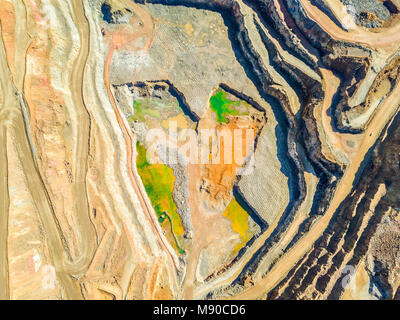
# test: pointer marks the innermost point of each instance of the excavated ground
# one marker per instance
(85, 215)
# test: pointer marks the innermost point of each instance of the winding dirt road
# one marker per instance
(386, 38)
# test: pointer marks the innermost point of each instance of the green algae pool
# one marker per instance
(158, 180)
(223, 106)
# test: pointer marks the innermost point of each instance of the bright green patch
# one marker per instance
(239, 222)
(158, 180)
(222, 106)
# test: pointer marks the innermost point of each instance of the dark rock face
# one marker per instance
(106, 11)
(301, 131)
(393, 9)
(345, 241)
(341, 241)
(114, 17)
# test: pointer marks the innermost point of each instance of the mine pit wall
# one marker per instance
(388, 73)
(324, 7)
(345, 241)
(332, 52)
(327, 171)
(313, 92)
(306, 130)
(262, 80)
(328, 52)
(324, 193)
(291, 38)
(349, 69)
(326, 186)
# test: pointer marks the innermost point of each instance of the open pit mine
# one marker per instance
(200, 149)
